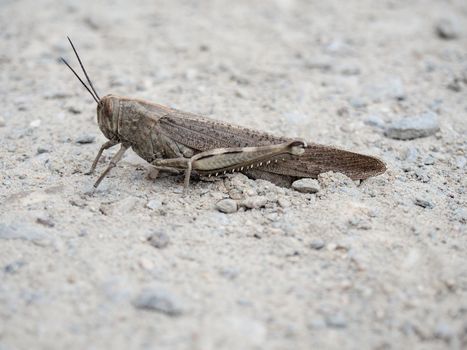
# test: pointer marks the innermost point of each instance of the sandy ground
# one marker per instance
(377, 265)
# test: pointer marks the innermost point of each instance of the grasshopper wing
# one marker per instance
(202, 134)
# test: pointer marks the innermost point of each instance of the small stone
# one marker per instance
(411, 154)
(159, 300)
(43, 149)
(336, 321)
(35, 123)
(422, 176)
(357, 102)
(447, 29)
(227, 206)
(14, 266)
(429, 160)
(84, 139)
(423, 125)
(45, 221)
(24, 232)
(306, 186)
(455, 85)
(375, 121)
(154, 204)
(461, 162)
(283, 202)
(424, 203)
(254, 202)
(74, 110)
(317, 244)
(158, 239)
(443, 331)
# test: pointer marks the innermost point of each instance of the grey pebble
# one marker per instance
(254, 202)
(422, 176)
(14, 266)
(20, 231)
(154, 204)
(84, 139)
(43, 149)
(423, 125)
(429, 160)
(159, 300)
(424, 203)
(306, 186)
(375, 121)
(461, 162)
(336, 321)
(317, 244)
(158, 239)
(447, 29)
(227, 206)
(357, 102)
(443, 331)
(411, 154)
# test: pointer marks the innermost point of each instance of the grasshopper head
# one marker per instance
(107, 116)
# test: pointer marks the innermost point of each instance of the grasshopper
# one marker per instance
(172, 140)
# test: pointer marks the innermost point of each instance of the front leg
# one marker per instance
(113, 162)
(105, 146)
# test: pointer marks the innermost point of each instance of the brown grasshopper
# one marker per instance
(173, 140)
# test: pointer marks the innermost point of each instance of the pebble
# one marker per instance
(443, 331)
(254, 202)
(447, 29)
(28, 233)
(154, 204)
(357, 102)
(43, 149)
(306, 186)
(429, 160)
(375, 121)
(14, 266)
(461, 162)
(227, 206)
(317, 244)
(35, 123)
(411, 154)
(422, 176)
(423, 125)
(45, 221)
(84, 139)
(424, 203)
(159, 300)
(158, 239)
(336, 321)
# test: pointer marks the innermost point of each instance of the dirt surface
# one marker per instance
(376, 265)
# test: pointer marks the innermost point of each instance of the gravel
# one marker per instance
(158, 300)
(227, 206)
(416, 127)
(306, 186)
(447, 29)
(158, 239)
(85, 139)
(424, 203)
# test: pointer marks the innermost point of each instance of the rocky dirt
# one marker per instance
(237, 263)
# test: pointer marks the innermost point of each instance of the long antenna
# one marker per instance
(82, 82)
(84, 70)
